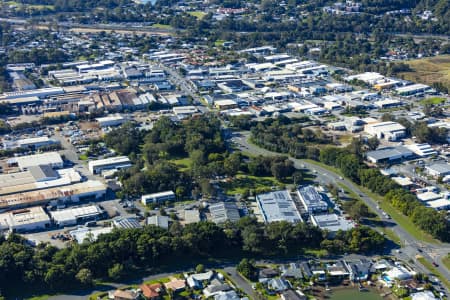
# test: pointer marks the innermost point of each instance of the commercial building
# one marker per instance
(118, 162)
(390, 131)
(158, 197)
(52, 159)
(225, 104)
(331, 223)
(90, 189)
(40, 93)
(389, 154)
(311, 199)
(75, 215)
(278, 206)
(224, 211)
(32, 143)
(28, 219)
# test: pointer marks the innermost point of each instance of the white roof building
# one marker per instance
(422, 150)
(160, 221)
(49, 158)
(72, 216)
(118, 162)
(278, 206)
(423, 295)
(332, 222)
(28, 219)
(391, 131)
(113, 120)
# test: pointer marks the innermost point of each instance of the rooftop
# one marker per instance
(332, 222)
(278, 206)
(224, 211)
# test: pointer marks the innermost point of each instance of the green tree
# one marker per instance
(248, 269)
(84, 276)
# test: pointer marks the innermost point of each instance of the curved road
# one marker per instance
(411, 246)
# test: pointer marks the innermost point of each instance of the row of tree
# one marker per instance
(126, 251)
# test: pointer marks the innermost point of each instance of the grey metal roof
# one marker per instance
(278, 206)
(386, 153)
(441, 168)
(224, 211)
(42, 172)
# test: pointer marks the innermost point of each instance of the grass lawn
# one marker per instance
(218, 43)
(435, 271)
(183, 163)
(446, 261)
(162, 26)
(429, 70)
(248, 182)
(198, 14)
(316, 252)
(404, 221)
(432, 100)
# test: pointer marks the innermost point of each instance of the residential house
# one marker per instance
(195, 280)
(228, 295)
(292, 271)
(124, 295)
(175, 284)
(293, 295)
(359, 270)
(215, 287)
(337, 270)
(278, 285)
(151, 291)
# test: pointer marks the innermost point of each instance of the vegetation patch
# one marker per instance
(434, 270)
(198, 14)
(429, 70)
(433, 101)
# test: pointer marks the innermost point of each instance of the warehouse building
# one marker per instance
(311, 199)
(118, 162)
(224, 211)
(438, 169)
(91, 189)
(422, 150)
(35, 178)
(412, 90)
(86, 233)
(76, 215)
(32, 143)
(390, 131)
(331, 223)
(389, 154)
(159, 221)
(52, 159)
(158, 197)
(29, 219)
(113, 120)
(278, 206)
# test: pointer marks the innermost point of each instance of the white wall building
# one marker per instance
(33, 218)
(49, 158)
(158, 197)
(118, 162)
(72, 216)
(390, 131)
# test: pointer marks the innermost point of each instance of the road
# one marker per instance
(411, 246)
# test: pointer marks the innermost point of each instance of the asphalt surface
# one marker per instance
(411, 246)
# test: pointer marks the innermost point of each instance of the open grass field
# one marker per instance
(30, 6)
(433, 100)
(247, 182)
(429, 70)
(198, 14)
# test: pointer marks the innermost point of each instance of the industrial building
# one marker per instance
(112, 120)
(126, 223)
(390, 131)
(414, 89)
(83, 233)
(331, 223)
(438, 169)
(75, 215)
(36, 178)
(278, 206)
(52, 159)
(90, 189)
(32, 143)
(224, 211)
(118, 162)
(422, 150)
(28, 219)
(311, 199)
(389, 154)
(160, 221)
(158, 197)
